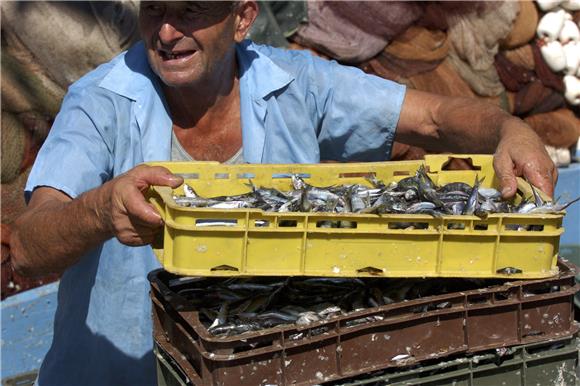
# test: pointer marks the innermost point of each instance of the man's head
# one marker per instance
(189, 43)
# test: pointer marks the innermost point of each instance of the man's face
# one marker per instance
(187, 42)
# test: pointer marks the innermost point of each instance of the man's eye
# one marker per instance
(154, 10)
(195, 10)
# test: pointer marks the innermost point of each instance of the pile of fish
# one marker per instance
(236, 305)
(417, 194)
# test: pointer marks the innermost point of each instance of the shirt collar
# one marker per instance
(262, 75)
(131, 75)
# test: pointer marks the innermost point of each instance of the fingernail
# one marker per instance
(506, 191)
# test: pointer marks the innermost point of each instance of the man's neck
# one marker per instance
(207, 99)
(206, 119)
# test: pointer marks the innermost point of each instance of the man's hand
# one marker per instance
(521, 153)
(132, 219)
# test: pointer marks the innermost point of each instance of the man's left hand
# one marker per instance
(521, 153)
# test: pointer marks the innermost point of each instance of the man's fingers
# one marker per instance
(140, 210)
(158, 175)
(504, 170)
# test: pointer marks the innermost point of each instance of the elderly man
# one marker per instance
(194, 89)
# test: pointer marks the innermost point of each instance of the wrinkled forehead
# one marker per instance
(209, 7)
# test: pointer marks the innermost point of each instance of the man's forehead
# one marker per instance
(200, 4)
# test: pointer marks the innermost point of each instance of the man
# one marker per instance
(195, 89)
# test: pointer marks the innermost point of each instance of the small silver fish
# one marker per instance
(471, 205)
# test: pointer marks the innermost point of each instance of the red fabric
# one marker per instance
(513, 77)
(535, 98)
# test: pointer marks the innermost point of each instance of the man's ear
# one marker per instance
(246, 13)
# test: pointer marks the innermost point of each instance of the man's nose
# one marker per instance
(168, 33)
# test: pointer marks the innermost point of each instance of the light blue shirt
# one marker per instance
(295, 108)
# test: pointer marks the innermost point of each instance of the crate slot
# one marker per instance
(339, 224)
(318, 330)
(480, 227)
(245, 176)
(221, 176)
(357, 174)
(456, 226)
(478, 299)
(401, 173)
(289, 175)
(524, 227)
(408, 225)
(288, 223)
(504, 295)
(541, 289)
(371, 270)
(189, 176)
(327, 224)
(224, 267)
(217, 222)
(261, 223)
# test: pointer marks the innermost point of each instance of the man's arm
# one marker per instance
(55, 230)
(465, 125)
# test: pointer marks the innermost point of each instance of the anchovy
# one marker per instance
(489, 193)
(189, 192)
(552, 207)
(471, 205)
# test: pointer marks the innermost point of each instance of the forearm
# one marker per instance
(56, 231)
(463, 125)
(451, 124)
(54, 234)
(474, 126)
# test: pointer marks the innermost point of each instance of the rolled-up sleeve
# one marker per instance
(77, 155)
(358, 113)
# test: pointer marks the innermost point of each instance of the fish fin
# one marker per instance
(570, 203)
(251, 185)
(537, 199)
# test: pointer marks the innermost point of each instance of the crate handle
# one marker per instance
(183, 365)
(178, 302)
(157, 196)
(437, 162)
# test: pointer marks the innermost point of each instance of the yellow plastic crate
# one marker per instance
(292, 244)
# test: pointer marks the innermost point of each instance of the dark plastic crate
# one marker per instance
(394, 335)
(554, 362)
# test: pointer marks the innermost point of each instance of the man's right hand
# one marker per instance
(132, 219)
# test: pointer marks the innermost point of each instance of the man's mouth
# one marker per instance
(175, 55)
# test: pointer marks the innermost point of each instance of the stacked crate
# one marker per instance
(519, 321)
